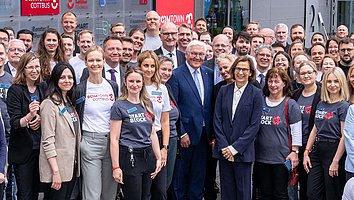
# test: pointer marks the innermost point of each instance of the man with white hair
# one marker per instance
(15, 50)
(152, 34)
(281, 35)
(192, 88)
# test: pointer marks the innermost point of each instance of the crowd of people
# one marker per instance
(151, 113)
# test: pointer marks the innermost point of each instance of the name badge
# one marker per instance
(156, 93)
(132, 110)
(265, 109)
(321, 109)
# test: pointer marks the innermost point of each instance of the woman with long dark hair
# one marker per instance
(59, 157)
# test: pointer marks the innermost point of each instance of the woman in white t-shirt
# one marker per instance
(148, 63)
(95, 97)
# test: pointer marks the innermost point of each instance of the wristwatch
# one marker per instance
(165, 146)
(295, 151)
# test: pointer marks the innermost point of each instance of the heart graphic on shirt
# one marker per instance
(276, 120)
(148, 116)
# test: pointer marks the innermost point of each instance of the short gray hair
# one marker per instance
(196, 43)
(265, 46)
(281, 25)
(15, 40)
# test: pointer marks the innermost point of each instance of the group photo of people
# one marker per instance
(174, 112)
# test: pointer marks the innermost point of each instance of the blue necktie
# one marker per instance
(196, 81)
(113, 76)
(262, 81)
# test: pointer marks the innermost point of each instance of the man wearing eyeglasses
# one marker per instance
(168, 36)
(264, 57)
(192, 88)
(346, 53)
(14, 52)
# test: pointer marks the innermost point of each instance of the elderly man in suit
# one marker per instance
(168, 37)
(192, 88)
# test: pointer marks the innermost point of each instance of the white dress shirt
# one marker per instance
(174, 56)
(200, 78)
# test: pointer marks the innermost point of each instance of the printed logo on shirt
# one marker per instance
(3, 90)
(156, 96)
(270, 120)
(320, 114)
(137, 117)
(73, 117)
(276, 120)
(100, 97)
(306, 109)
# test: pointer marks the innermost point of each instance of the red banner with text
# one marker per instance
(178, 12)
(40, 7)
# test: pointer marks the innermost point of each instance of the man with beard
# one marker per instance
(243, 44)
(152, 39)
(297, 32)
(27, 37)
(220, 45)
(184, 37)
(15, 50)
(85, 41)
(168, 48)
(346, 53)
(264, 57)
(127, 53)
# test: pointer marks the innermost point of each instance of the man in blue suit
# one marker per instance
(192, 87)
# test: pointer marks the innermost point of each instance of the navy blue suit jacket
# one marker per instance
(193, 112)
(242, 130)
(181, 58)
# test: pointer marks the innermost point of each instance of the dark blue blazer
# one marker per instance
(193, 112)
(242, 130)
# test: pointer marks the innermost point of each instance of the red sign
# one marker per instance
(182, 12)
(40, 7)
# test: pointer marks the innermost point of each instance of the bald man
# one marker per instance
(168, 36)
(152, 34)
(342, 31)
(268, 35)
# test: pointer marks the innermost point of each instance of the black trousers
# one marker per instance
(272, 181)
(302, 176)
(27, 177)
(320, 185)
(159, 183)
(136, 179)
(210, 192)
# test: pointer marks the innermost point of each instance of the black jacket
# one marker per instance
(181, 58)
(20, 143)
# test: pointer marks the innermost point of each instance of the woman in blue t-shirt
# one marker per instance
(272, 142)
(323, 156)
(135, 151)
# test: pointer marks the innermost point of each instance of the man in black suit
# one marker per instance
(220, 45)
(168, 37)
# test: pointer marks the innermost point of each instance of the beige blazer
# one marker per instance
(58, 140)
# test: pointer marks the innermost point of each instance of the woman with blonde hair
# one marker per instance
(323, 155)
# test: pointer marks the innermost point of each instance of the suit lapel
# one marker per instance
(191, 82)
(229, 100)
(205, 80)
(67, 116)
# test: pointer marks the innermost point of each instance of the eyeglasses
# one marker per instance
(195, 54)
(244, 70)
(309, 73)
(21, 50)
(172, 34)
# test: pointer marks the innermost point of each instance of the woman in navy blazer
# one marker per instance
(236, 126)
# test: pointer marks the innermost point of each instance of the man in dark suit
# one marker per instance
(168, 37)
(220, 45)
(192, 87)
(112, 47)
